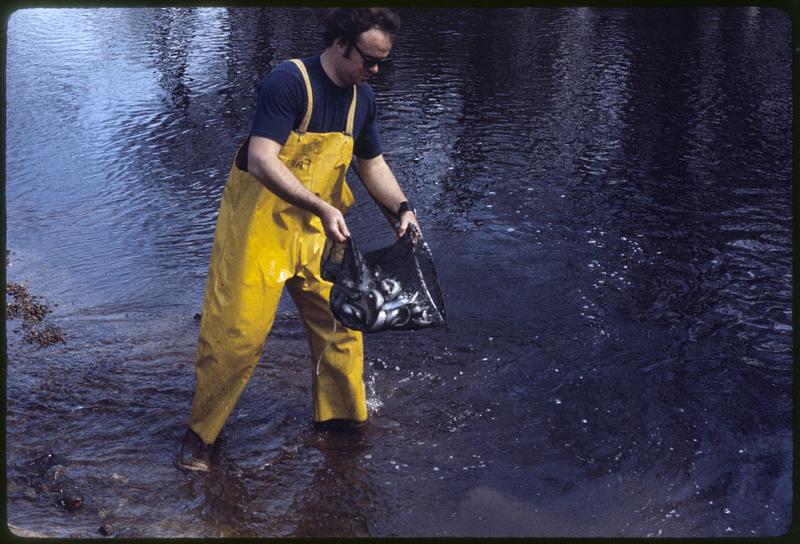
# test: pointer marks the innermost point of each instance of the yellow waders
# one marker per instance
(262, 242)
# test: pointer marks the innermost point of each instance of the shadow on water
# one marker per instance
(606, 193)
(340, 499)
(336, 498)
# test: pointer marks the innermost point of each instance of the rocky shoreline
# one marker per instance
(32, 311)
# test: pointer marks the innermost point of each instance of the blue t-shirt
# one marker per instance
(282, 104)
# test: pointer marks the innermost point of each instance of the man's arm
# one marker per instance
(263, 163)
(382, 185)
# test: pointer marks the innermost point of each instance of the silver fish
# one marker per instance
(352, 311)
(375, 299)
(369, 301)
(380, 321)
(399, 317)
(390, 287)
(399, 302)
(424, 318)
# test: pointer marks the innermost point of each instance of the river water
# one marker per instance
(607, 195)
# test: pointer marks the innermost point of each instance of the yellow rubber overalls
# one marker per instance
(261, 243)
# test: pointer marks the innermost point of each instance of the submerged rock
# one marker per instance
(25, 533)
(46, 476)
(72, 501)
(46, 337)
(26, 307)
(17, 290)
(106, 530)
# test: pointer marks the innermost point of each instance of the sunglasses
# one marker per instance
(369, 61)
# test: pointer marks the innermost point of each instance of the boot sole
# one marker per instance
(193, 468)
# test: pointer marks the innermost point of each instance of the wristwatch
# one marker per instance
(405, 206)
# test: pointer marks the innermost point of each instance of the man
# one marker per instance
(286, 192)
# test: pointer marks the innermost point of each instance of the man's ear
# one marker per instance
(341, 46)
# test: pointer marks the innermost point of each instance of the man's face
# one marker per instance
(372, 45)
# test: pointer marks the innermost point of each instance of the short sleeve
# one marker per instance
(281, 103)
(368, 142)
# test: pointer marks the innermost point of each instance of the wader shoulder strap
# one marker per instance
(307, 119)
(351, 114)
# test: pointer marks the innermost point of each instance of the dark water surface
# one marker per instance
(606, 194)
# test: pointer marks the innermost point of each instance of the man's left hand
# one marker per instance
(408, 218)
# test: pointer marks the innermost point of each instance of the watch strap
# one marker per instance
(405, 206)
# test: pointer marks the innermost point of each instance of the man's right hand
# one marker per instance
(264, 164)
(333, 223)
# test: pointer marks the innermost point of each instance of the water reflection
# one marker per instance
(172, 36)
(341, 497)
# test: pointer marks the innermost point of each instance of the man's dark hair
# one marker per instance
(349, 23)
